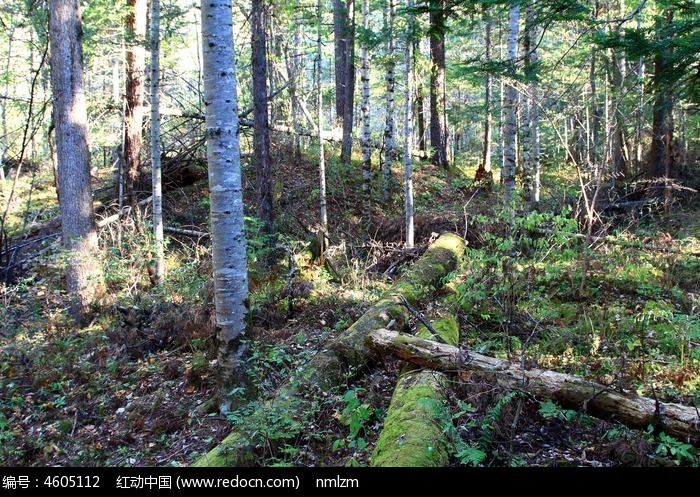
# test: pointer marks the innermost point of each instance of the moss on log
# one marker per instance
(330, 367)
(570, 391)
(414, 432)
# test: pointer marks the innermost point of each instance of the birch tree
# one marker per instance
(225, 190)
(366, 146)
(408, 130)
(486, 152)
(159, 266)
(83, 273)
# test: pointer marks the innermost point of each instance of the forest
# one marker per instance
(423, 233)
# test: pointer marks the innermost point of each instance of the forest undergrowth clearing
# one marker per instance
(123, 390)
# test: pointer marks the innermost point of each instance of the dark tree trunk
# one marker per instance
(75, 191)
(261, 135)
(438, 119)
(661, 157)
(135, 90)
(340, 22)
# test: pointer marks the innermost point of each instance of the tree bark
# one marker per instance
(343, 355)
(135, 89)
(486, 151)
(349, 88)
(340, 27)
(570, 391)
(262, 163)
(438, 117)
(661, 156)
(83, 273)
(390, 126)
(323, 236)
(225, 190)
(366, 146)
(156, 173)
(510, 104)
(408, 132)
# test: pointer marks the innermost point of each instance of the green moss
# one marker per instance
(414, 430)
(447, 328)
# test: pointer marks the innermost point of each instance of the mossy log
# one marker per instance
(342, 355)
(570, 391)
(414, 432)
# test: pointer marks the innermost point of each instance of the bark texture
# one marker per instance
(390, 126)
(366, 145)
(510, 103)
(83, 274)
(135, 90)
(262, 163)
(225, 191)
(438, 116)
(156, 173)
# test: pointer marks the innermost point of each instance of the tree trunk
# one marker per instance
(262, 163)
(438, 118)
(408, 132)
(486, 151)
(159, 267)
(639, 110)
(594, 117)
(414, 429)
(343, 355)
(510, 104)
(420, 98)
(296, 74)
(570, 391)
(390, 126)
(349, 88)
(225, 190)
(323, 236)
(135, 89)
(83, 273)
(661, 157)
(340, 28)
(526, 98)
(4, 141)
(366, 146)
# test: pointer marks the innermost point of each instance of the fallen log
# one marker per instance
(414, 432)
(570, 391)
(341, 356)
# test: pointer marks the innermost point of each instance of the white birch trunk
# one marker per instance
(159, 266)
(366, 148)
(486, 154)
(226, 192)
(408, 131)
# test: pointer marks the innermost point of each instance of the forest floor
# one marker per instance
(127, 388)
